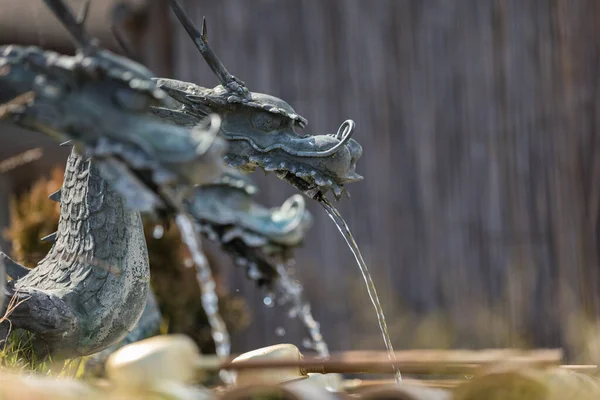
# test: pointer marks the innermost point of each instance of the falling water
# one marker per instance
(292, 292)
(345, 231)
(210, 300)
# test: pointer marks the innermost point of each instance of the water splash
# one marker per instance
(307, 343)
(208, 286)
(291, 291)
(345, 231)
(268, 301)
(280, 331)
(158, 231)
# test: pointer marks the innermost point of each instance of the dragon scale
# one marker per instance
(91, 287)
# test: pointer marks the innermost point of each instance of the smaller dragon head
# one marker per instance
(256, 237)
(262, 130)
(101, 101)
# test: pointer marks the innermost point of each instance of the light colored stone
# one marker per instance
(151, 362)
(269, 376)
(23, 387)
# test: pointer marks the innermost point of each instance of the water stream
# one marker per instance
(208, 286)
(345, 231)
(291, 292)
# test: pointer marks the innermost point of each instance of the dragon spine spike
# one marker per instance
(50, 238)
(204, 30)
(55, 196)
(224, 77)
(72, 24)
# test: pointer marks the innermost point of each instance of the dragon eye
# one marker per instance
(131, 100)
(266, 121)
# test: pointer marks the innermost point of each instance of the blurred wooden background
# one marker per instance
(478, 215)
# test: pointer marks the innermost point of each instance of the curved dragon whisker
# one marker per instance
(345, 130)
(344, 134)
(298, 201)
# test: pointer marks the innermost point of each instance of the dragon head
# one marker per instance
(262, 130)
(101, 101)
(256, 237)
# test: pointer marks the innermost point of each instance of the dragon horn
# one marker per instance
(73, 25)
(200, 39)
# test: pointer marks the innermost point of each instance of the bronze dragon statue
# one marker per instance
(260, 129)
(146, 160)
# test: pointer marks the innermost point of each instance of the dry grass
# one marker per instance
(17, 353)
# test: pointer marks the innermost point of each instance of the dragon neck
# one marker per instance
(92, 215)
(95, 233)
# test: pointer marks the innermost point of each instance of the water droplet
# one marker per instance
(280, 331)
(293, 312)
(188, 262)
(158, 232)
(253, 272)
(268, 301)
